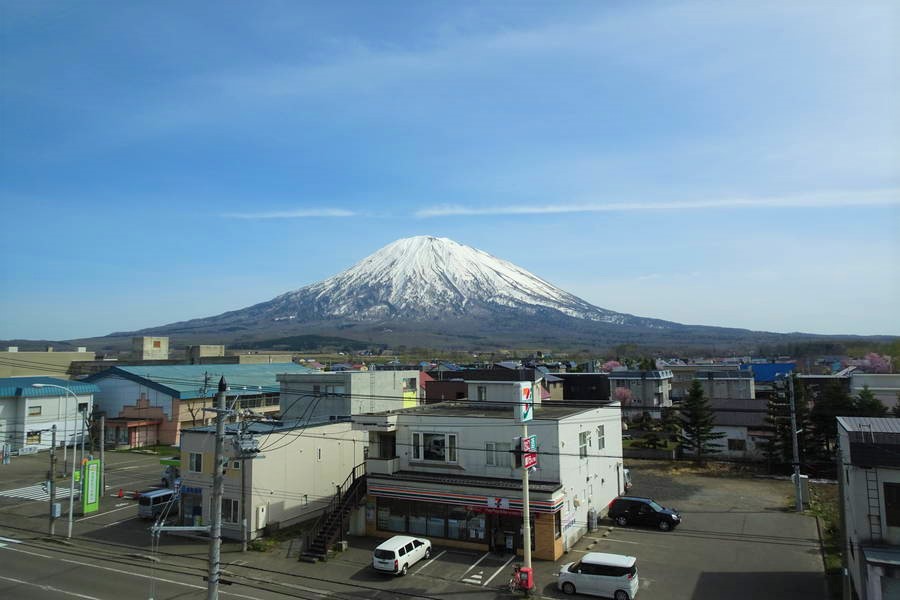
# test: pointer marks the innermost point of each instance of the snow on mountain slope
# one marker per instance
(427, 277)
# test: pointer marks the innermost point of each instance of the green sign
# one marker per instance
(90, 487)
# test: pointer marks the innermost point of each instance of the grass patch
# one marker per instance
(823, 503)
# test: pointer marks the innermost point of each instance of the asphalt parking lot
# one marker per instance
(738, 540)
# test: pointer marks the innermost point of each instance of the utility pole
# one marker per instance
(102, 455)
(526, 509)
(798, 487)
(52, 482)
(215, 532)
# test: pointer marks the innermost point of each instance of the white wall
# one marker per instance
(62, 411)
(294, 478)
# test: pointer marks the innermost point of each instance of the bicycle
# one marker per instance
(515, 582)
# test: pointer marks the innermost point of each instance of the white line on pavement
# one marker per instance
(132, 574)
(497, 572)
(101, 514)
(119, 522)
(426, 564)
(6, 539)
(486, 554)
(49, 588)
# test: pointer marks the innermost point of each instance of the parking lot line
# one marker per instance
(486, 554)
(432, 560)
(497, 572)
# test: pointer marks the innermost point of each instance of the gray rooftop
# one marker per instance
(548, 410)
(870, 424)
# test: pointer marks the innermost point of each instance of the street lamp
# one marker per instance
(74, 450)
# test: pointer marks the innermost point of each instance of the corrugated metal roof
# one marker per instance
(12, 387)
(870, 424)
(187, 381)
(739, 412)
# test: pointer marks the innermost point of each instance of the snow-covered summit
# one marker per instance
(427, 277)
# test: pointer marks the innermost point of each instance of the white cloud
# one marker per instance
(832, 199)
(301, 213)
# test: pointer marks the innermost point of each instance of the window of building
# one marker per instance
(195, 462)
(319, 454)
(497, 454)
(230, 510)
(235, 464)
(584, 442)
(157, 344)
(435, 447)
(482, 393)
(892, 504)
(34, 411)
(33, 437)
(601, 437)
(737, 445)
(82, 407)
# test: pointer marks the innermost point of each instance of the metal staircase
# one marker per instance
(874, 506)
(330, 526)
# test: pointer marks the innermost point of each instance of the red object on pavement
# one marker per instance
(121, 495)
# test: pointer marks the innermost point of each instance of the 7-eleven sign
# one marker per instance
(525, 406)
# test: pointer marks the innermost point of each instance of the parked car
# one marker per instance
(399, 553)
(154, 503)
(633, 510)
(600, 574)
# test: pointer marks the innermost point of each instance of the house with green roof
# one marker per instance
(150, 404)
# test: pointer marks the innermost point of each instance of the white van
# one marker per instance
(399, 553)
(152, 504)
(601, 574)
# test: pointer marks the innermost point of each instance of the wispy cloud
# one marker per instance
(301, 213)
(834, 199)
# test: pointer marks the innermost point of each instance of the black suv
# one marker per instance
(631, 510)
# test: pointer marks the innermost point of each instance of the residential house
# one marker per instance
(292, 479)
(683, 376)
(166, 398)
(28, 413)
(447, 471)
(733, 385)
(649, 391)
(346, 393)
(743, 421)
(869, 477)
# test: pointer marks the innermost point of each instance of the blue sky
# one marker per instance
(732, 164)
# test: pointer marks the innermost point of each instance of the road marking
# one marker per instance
(103, 513)
(486, 554)
(37, 492)
(497, 572)
(6, 539)
(431, 561)
(474, 578)
(132, 574)
(49, 588)
(119, 522)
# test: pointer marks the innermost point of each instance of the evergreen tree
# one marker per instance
(773, 448)
(867, 405)
(833, 402)
(697, 422)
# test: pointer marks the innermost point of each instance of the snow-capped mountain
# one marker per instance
(436, 292)
(428, 277)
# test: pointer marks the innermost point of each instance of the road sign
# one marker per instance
(90, 496)
(529, 452)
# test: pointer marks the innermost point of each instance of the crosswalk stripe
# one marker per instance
(36, 492)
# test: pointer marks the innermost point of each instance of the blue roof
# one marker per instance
(768, 372)
(187, 381)
(11, 387)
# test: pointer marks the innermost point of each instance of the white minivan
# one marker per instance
(601, 574)
(399, 553)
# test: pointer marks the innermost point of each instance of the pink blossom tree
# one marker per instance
(610, 365)
(623, 395)
(878, 363)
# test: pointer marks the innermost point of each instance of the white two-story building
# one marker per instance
(870, 488)
(447, 471)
